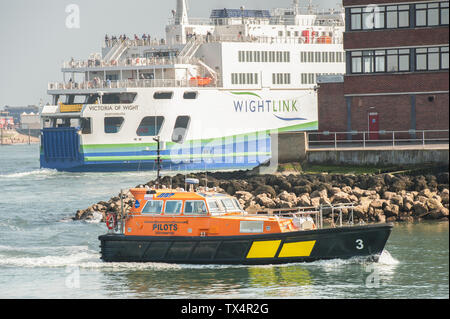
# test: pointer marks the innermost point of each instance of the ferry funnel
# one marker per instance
(181, 16)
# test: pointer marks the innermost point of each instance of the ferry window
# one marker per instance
(190, 95)
(153, 207)
(173, 207)
(113, 124)
(150, 126)
(122, 98)
(93, 99)
(195, 207)
(180, 129)
(86, 127)
(163, 95)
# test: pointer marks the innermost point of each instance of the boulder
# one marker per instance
(391, 210)
(315, 202)
(433, 205)
(243, 195)
(340, 197)
(444, 196)
(420, 209)
(358, 192)
(303, 200)
(265, 201)
(288, 197)
(265, 189)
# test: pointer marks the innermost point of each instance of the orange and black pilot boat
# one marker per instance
(206, 227)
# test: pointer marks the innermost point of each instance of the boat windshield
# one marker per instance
(196, 207)
(153, 207)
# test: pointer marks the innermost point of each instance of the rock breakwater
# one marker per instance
(375, 198)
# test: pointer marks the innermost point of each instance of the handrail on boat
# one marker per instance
(337, 219)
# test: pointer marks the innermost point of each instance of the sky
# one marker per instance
(37, 36)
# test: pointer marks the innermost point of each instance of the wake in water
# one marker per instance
(83, 257)
(38, 172)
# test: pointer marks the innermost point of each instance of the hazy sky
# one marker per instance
(35, 40)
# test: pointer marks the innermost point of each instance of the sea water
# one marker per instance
(45, 254)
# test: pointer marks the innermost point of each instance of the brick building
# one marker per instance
(397, 76)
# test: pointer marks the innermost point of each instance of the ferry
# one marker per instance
(205, 227)
(213, 91)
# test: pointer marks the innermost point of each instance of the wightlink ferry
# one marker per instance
(212, 92)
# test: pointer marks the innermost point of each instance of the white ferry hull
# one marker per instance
(227, 130)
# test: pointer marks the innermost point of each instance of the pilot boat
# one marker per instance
(207, 227)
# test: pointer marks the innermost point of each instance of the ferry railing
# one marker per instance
(133, 42)
(275, 40)
(128, 62)
(102, 84)
(368, 139)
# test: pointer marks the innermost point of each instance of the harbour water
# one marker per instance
(44, 254)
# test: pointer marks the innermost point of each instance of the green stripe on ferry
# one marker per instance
(106, 147)
(246, 93)
(170, 157)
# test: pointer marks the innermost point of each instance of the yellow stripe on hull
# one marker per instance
(264, 249)
(298, 249)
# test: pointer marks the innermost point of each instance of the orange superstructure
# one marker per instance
(175, 213)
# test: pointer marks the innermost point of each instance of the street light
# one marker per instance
(158, 159)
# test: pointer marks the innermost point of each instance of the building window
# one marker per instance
(370, 61)
(356, 58)
(379, 17)
(431, 14)
(398, 60)
(432, 59)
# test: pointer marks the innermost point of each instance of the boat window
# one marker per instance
(180, 129)
(86, 125)
(190, 95)
(150, 126)
(173, 207)
(163, 95)
(195, 208)
(228, 203)
(213, 206)
(153, 207)
(113, 124)
(237, 204)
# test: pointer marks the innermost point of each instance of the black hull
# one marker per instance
(301, 246)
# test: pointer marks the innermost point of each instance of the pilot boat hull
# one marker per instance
(299, 246)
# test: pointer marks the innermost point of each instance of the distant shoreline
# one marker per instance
(12, 137)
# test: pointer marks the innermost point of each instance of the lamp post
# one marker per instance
(158, 159)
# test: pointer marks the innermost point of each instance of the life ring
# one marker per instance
(111, 221)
